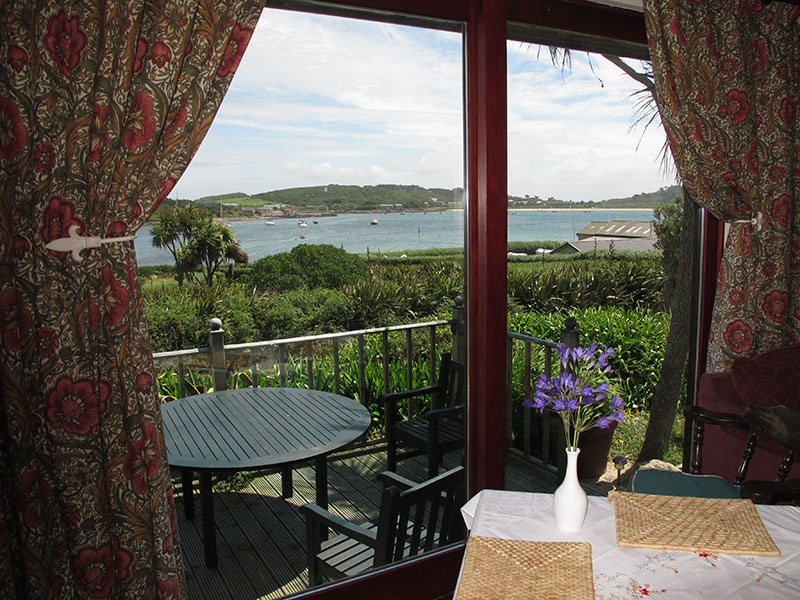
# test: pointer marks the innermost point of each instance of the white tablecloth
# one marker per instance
(643, 573)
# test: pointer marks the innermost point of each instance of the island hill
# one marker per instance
(333, 199)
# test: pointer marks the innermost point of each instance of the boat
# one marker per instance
(315, 221)
(302, 223)
(373, 222)
(269, 222)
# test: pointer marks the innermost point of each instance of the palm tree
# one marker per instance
(210, 245)
(195, 240)
(165, 233)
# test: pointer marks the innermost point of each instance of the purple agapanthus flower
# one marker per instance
(581, 393)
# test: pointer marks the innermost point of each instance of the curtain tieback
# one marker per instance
(75, 243)
(757, 221)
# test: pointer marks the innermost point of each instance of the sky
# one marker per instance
(324, 100)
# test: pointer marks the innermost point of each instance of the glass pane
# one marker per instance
(585, 175)
(336, 161)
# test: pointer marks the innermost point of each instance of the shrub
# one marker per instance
(301, 312)
(178, 317)
(638, 335)
(624, 283)
(668, 225)
(156, 270)
(307, 265)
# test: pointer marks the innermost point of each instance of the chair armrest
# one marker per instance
(780, 423)
(395, 397)
(389, 478)
(321, 517)
(697, 413)
(442, 413)
(390, 401)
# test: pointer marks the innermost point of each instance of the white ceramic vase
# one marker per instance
(569, 500)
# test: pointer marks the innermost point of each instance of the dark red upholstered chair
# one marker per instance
(768, 379)
(777, 424)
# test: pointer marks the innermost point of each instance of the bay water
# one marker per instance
(395, 231)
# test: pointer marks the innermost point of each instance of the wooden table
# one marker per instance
(255, 428)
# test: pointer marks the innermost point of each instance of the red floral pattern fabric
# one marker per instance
(728, 81)
(99, 116)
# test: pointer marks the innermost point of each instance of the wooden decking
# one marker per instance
(261, 537)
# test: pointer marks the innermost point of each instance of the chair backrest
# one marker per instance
(451, 382)
(420, 518)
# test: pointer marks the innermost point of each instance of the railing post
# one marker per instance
(459, 329)
(216, 341)
(571, 335)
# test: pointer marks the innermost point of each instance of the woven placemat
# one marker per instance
(497, 569)
(695, 524)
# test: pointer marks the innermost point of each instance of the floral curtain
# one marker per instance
(728, 81)
(102, 105)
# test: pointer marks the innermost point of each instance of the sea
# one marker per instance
(394, 232)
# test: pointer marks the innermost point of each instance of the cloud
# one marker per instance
(320, 100)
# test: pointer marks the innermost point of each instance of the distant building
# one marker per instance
(593, 244)
(617, 229)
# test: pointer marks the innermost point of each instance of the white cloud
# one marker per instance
(321, 100)
(570, 132)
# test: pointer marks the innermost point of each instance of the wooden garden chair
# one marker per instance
(439, 430)
(414, 517)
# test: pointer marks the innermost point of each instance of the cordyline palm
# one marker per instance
(210, 245)
(173, 232)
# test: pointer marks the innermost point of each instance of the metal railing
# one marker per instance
(261, 355)
(531, 434)
(300, 361)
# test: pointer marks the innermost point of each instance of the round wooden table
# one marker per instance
(256, 428)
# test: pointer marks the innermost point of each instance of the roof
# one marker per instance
(604, 243)
(618, 229)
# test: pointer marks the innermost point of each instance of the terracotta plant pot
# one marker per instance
(595, 445)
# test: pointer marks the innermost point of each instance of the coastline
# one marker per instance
(580, 209)
(510, 210)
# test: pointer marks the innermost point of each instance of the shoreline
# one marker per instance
(510, 210)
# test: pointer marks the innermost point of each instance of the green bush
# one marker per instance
(596, 283)
(307, 265)
(301, 312)
(178, 317)
(638, 336)
(157, 270)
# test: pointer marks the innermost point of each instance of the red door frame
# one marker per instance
(487, 224)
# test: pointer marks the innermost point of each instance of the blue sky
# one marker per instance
(320, 100)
